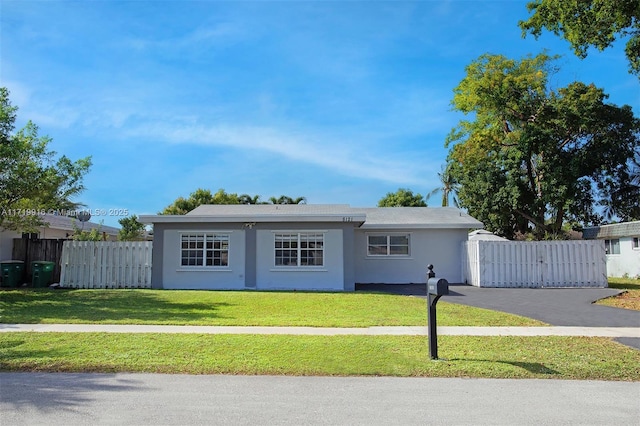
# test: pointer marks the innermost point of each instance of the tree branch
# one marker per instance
(531, 219)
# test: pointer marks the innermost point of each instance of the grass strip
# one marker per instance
(240, 308)
(463, 356)
(624, 283)
(629, 299)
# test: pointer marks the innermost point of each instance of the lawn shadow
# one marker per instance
(398, 289)
(415, 289)
(51, 392)
(532, 367)
(625, 286)
(38, 305)
(8, 344)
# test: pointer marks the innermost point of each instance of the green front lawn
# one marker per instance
(237, 308)
(461, 356)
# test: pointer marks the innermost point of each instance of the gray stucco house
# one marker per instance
(305, 247)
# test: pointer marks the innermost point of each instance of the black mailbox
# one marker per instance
(438, 286)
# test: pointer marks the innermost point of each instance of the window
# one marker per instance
(388, 245)
(299, 249)
(635, 243)
(612, 246)
(204, 249)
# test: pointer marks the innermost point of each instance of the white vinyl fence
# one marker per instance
(534, 263)
(88, 264)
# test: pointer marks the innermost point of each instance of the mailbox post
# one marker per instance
(436, 288)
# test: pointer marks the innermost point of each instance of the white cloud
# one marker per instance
(209, 35)
(349, 157)
(54, 116)
(19, 94)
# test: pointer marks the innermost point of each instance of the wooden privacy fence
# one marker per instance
(88, 264)
(29, 250)
(534, 263)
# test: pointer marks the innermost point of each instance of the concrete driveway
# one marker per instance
(555, 306)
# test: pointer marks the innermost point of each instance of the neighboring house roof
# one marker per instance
(615, 230)
(484, 235)
(67, 224)
(369, 218)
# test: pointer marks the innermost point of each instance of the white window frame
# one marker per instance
(388, 244)
(206, 251)
(635, 243)
(610, 245)
(300, 239)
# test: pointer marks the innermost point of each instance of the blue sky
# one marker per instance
(337, 101)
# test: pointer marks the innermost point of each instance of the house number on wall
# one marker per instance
(347, 219)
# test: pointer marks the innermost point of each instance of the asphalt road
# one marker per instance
(154, 399)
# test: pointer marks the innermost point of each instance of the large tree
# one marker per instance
(531, 159)
(589, 23)
(199, 197)
(33, 179)
(132, 229)
(402, 198)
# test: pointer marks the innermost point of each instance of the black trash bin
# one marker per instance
(41, 273)
(12, 272)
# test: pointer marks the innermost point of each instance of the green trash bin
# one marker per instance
(41, 273)
(12, 272)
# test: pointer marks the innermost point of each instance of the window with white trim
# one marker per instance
(299, 249)
(388, 245)
(635, 243)
(204, 249)
(612, 246)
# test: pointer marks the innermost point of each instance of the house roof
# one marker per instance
(224, 213)
(484, 235)
(368, 218)
(270, 209)
(417, 217)
(66, 223)
(616, 230)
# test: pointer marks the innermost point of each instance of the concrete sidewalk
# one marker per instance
(633, 332)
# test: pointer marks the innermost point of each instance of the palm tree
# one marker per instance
(300, 200)
(248, 199)
(283, 199)
(450, 186)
